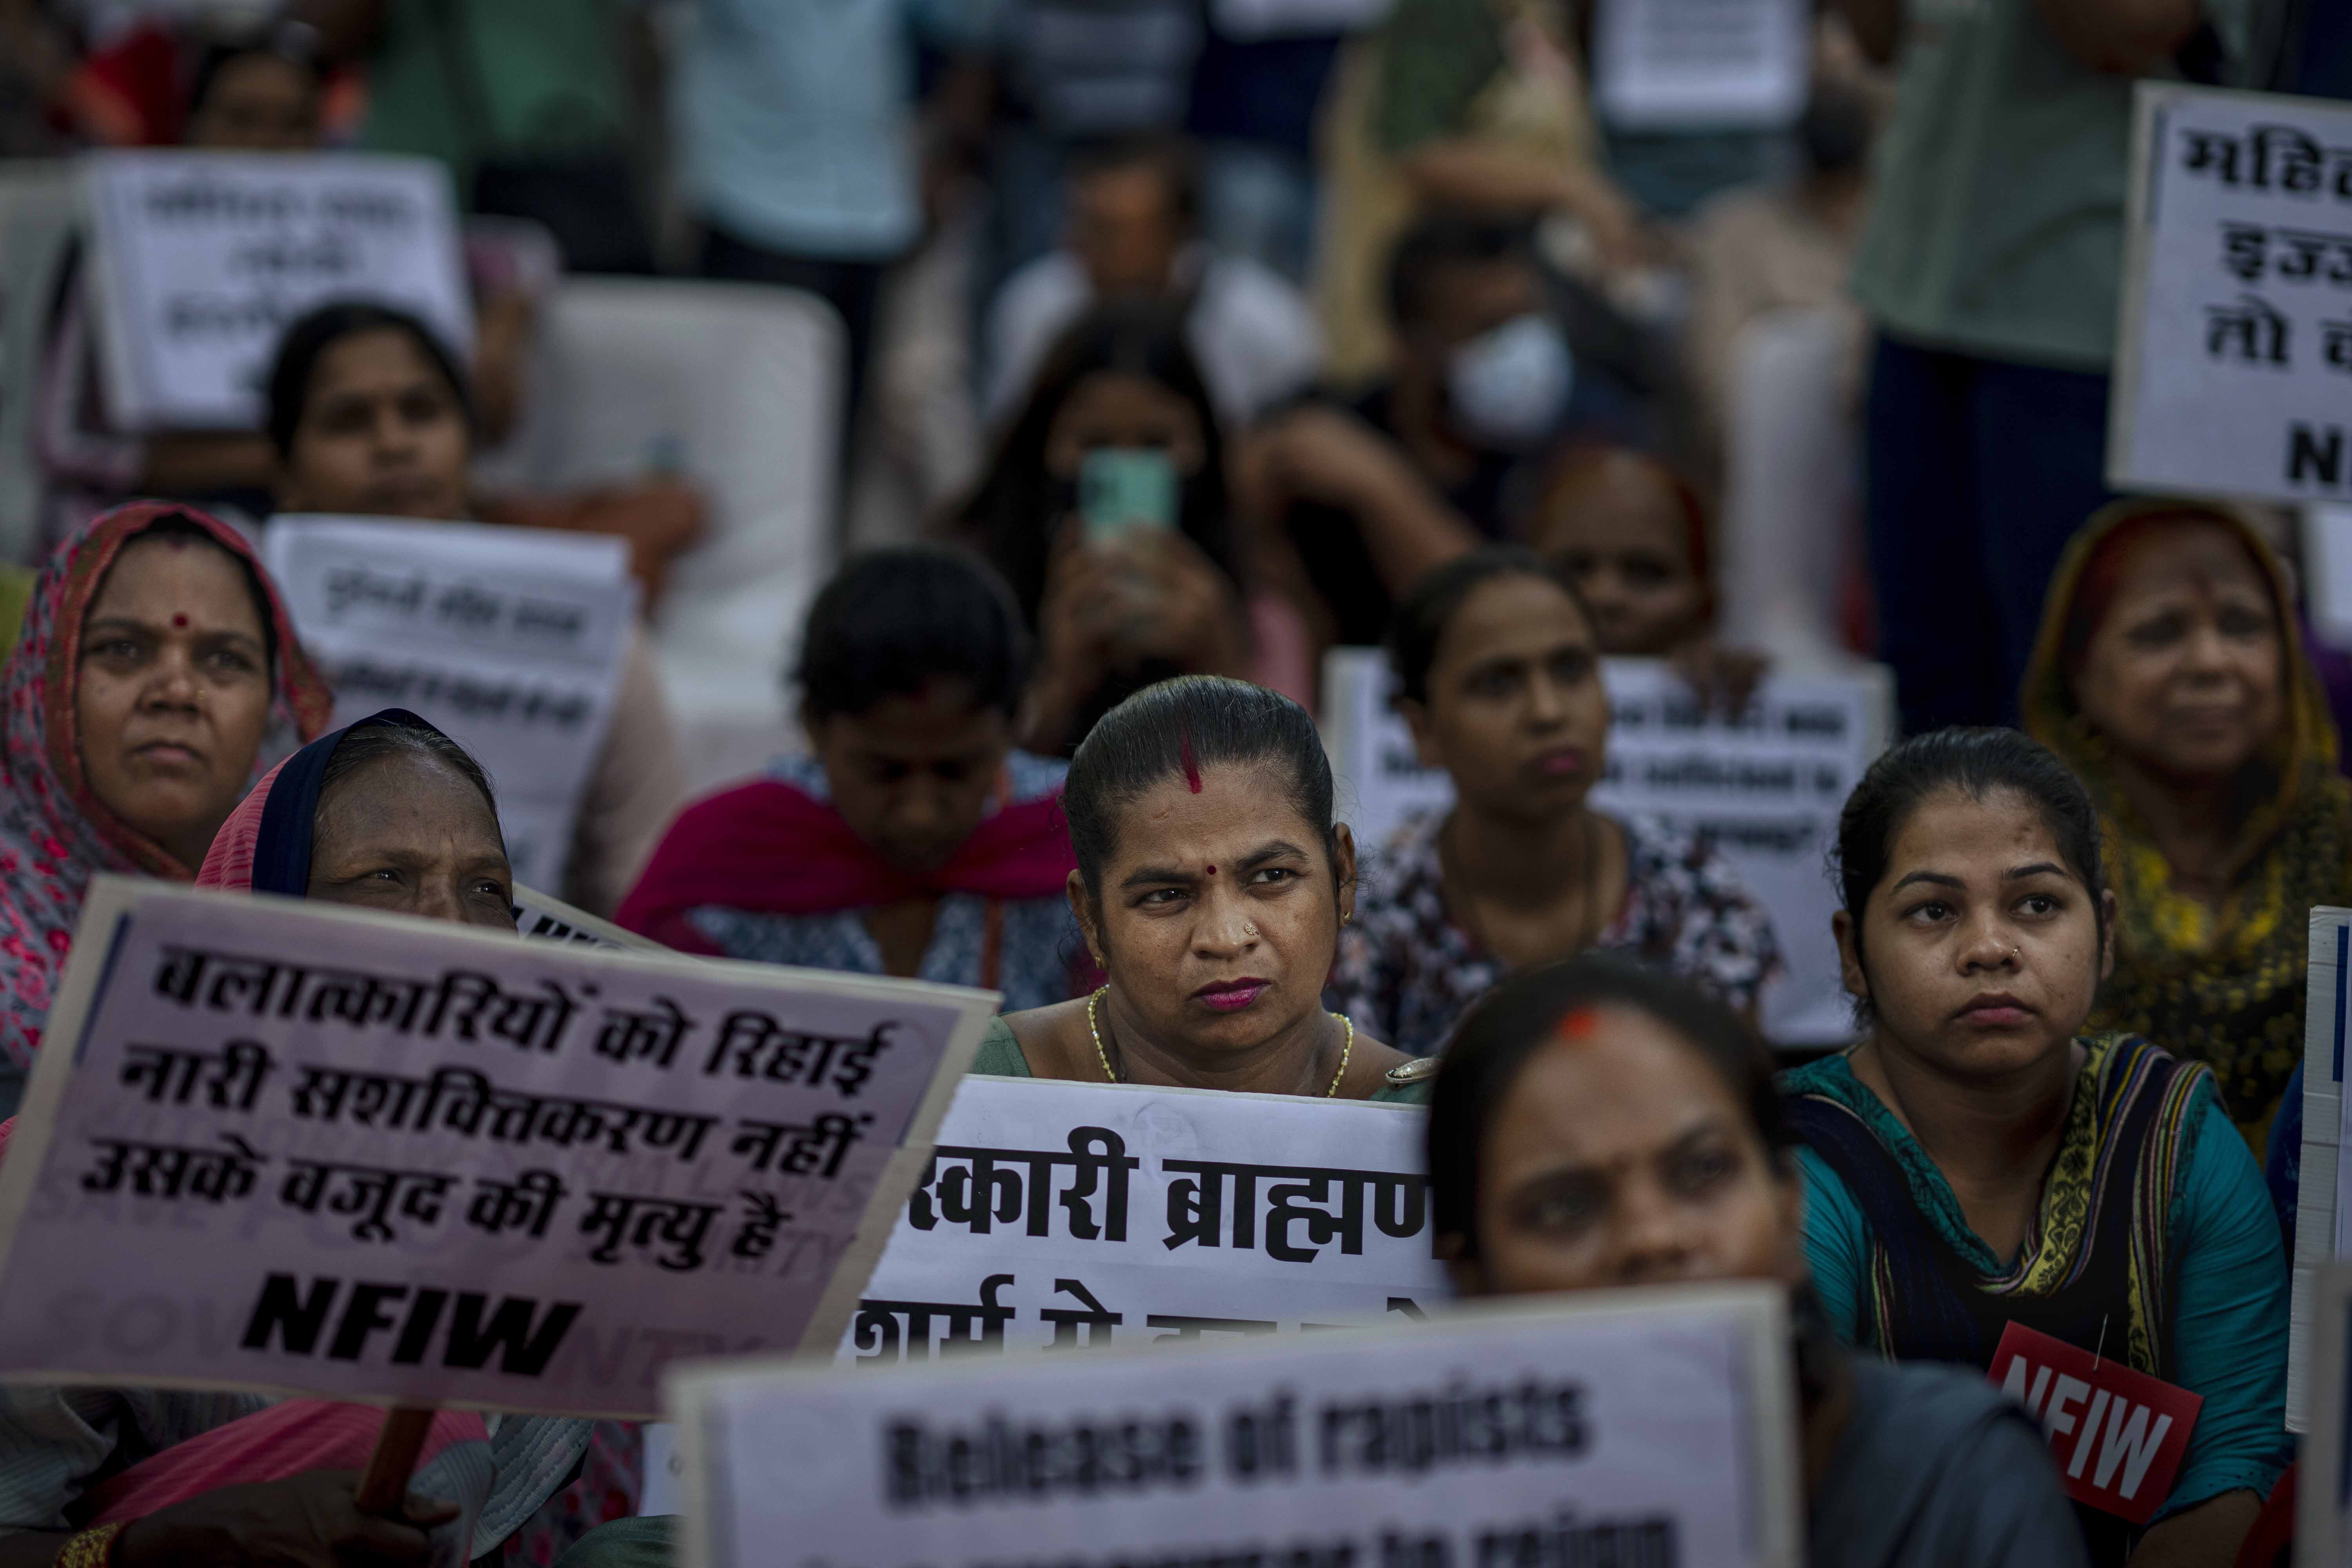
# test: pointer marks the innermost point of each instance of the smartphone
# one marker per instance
(1120, 487)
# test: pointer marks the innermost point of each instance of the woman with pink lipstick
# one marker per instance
(1211, 887)
(1979, 1161)
(1498, 673)
(155, 671)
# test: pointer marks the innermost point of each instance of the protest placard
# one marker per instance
(292, 1146)
(2234, 345)
(2323, 1496)
(201, 258)
(543, 917)
(1643, 1429)
(1067, 1215)
(1768, 782)
(510, 639)
(2319, 1203)
(1700, 65)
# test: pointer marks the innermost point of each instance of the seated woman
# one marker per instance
(1978, 1160)
(155, 666)
(1211, 887)
(389, 815)
(1597, 1124)
(369, 416)
(913, 840)
(2171, 675)
(1106, 509)
(1498, 676)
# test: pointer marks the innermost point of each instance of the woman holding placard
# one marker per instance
(1979, 1166)
(2170, 675)
(370, 417)
(1599, 1124)
(156, 666)
(1498, 675)
(1211, 887)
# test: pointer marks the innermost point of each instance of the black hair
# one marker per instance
(312, 334)
(364, 745)
(294, 43)
(1421, 619)
(893, 620)
(1493, 1043)
(1013, 514)
(1444, 240)
(180, 525)
(1178, 728)
(1978, 763)
(1170, 157)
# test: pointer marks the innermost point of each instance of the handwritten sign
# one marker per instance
(2234, 365)
(1768, 784)
(1073, 1215)
(1640, 1429)
(1692, 65)
(2117, 1436)
(203, 259)
(510, 639)
(289, 1146)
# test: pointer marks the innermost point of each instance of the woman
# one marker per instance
(369, 416)
(1107, 510)
(389, 815)
(1498, 676)
(2170, 674)
(913, 840)
(1978, 1160)
(1597, 1123)
(155, 666)
(1211, 885)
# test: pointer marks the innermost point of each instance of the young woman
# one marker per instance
(389, 815)
(369, 416)
(913, 840)
(1106, 509)
(1978, 1160)
(1498, 676)
(2170, 675)
(1211, 885)
(155, 667)
(1598, 1124)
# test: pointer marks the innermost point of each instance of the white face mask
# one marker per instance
(1510, 385)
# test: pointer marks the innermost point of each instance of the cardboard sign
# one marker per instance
(1073, 1215)
(2234, 368)
(203, 259)
(295, 1147)
(1650, 1428)
(1768, 784)
(2117, 1436)
(1702, 65)
(510, 639)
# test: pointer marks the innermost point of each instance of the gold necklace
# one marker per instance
(1346, 1051)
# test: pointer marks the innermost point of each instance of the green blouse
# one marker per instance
(1000, 1055)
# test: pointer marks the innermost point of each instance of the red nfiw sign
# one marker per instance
(2117, 1434)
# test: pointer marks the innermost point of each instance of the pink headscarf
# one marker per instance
(55, 832)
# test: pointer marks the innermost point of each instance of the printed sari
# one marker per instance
(55, 832)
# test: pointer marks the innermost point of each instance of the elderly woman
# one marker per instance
(2171, 675)
(156, 666)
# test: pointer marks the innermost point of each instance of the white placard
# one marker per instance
(1644, 1427)
(1077, 1215)
(546, 919)
(298, 1147)
(509, 639)
(2233, 367)
(1698, 65)
(2322, 1498)
(1768, 784)
(203, 259)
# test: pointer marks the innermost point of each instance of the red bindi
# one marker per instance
(1212, 870)
(1581, 1024)
(180, 621)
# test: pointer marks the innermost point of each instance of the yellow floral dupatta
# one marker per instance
(2222, 986)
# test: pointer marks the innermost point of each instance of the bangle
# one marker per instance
(90, 1549)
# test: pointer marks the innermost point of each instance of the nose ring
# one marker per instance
(1248, 930)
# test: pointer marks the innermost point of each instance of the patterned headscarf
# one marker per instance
(55, 832)
(2222, 986)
